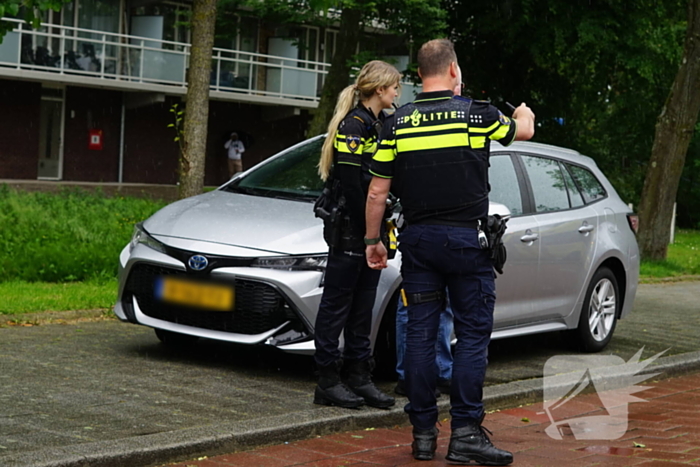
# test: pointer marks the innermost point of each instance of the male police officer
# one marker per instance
(434, 157)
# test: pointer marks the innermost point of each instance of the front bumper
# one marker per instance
(273, 307)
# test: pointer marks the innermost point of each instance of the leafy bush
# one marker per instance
(73, 235)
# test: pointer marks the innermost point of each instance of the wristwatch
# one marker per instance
(372, 241)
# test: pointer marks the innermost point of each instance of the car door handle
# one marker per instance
(529, 238)
(586, 228)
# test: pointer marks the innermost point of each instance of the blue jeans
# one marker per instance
(434, 257)
(443, 348)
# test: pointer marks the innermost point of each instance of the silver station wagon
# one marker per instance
(245, 263)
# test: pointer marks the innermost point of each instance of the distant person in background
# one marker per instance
(235, 149)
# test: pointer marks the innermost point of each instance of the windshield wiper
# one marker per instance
(246, 190)
(269, 193)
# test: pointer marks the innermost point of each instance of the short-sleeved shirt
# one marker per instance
(355, 144)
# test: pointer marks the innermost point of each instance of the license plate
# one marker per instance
(197, 294)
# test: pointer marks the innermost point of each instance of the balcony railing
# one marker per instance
(75, 52)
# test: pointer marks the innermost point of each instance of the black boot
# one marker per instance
(360, 382)
(424, 444)
(471, 444)
(331, 391)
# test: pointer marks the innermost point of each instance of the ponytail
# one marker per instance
(372, 76)
(346, 102)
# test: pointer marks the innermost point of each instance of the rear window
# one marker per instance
(547, 181)
(590, 187)
(575, 197)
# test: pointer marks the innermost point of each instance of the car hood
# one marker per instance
(270, 224)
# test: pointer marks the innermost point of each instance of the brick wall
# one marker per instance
(86, 109)
(150, 154)
(20, 108)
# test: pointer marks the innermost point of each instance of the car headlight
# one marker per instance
(141, 236)
(293, 263)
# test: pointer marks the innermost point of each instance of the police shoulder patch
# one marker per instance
(353, 142)
(503, 119)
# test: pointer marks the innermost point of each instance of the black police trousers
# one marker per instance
(434, 257)
(349, 291)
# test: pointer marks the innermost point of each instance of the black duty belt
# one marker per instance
(466, 224)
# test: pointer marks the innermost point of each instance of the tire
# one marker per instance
(599, 312)
(385, 345)
(174, 339)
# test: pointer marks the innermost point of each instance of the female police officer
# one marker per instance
(350, 285)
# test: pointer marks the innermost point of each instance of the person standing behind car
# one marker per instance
(235, 150)
(443, 349)
(434, 156)
(350, 286)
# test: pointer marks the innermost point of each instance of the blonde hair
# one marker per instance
(374, 75)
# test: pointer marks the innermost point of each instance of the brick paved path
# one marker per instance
(663, 432)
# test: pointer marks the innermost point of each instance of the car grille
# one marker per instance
(259, 307)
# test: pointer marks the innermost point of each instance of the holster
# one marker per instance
(340, 235)
(495, 229)
(330, 203)
(389, 239)
(390, 231)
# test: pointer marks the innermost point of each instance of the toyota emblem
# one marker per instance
(198, 263)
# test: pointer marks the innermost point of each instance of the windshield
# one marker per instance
(293, 175)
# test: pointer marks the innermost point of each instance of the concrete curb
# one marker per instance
(210, 440)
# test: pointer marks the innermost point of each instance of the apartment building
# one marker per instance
(87, 96)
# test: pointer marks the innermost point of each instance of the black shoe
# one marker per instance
(400, 389)
(444, 385)
(360, 382)
(471, 444)
(331, 391)
(424, 444)
(339, 395)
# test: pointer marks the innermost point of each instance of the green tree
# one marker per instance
(595, 72)
(674, 131)
(412, 21)
(32, 10)
(416, 21)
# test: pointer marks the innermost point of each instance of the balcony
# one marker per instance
(84, 57)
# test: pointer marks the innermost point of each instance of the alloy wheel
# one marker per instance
(601, 310)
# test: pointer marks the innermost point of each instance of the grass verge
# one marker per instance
(682, 260)
(31, 297)
(70, 236)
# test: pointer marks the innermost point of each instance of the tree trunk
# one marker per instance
(674, 130)
(194, 143)
(337, 78)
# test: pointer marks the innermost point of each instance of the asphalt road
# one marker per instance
(108, 393)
